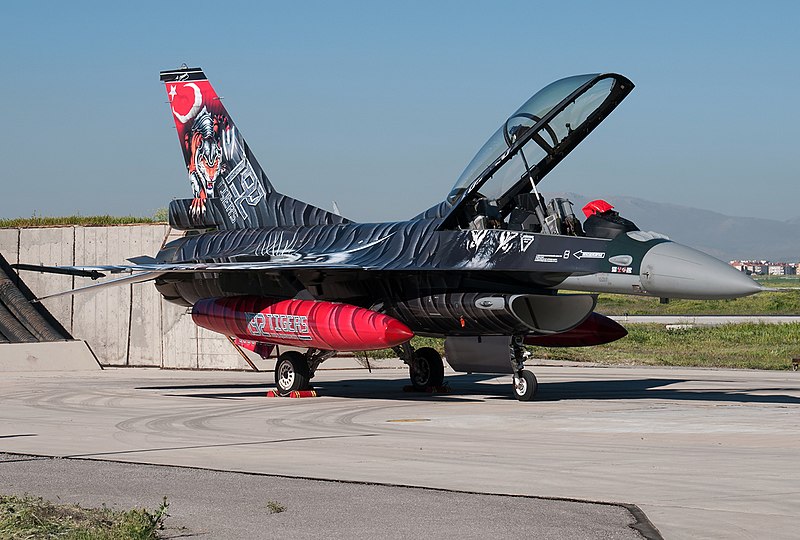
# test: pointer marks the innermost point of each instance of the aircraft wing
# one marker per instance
(149, 271)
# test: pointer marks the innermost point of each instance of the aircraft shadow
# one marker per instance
(473, 388)
(656, 389)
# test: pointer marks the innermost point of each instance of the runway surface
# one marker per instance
(704, 453)
(225, 505)
(706, 320)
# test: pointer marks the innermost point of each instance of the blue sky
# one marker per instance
(381, 105)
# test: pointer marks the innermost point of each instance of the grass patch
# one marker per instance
(779, 281)
(274, 507)
(33, 517)
(764, 303)
(159, 216)
(416, 342)
(84, 221)
(750, 346)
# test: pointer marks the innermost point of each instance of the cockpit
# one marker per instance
(499, 187)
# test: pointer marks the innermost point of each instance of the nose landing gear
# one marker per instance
(524, 381)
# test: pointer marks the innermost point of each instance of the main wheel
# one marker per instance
(427, 369)
(291, 373)
(525, 385)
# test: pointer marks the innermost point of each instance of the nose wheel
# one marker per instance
(524, 382)
(525, 385)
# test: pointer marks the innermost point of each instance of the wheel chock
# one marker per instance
(303, 393)
(294, 394)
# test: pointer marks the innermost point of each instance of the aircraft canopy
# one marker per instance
(536, 138)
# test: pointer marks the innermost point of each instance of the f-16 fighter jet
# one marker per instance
(482, 269)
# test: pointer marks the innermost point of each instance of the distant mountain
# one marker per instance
(724, 237)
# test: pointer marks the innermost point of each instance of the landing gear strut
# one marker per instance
(525, 383)
(425, 366)
(294, 370)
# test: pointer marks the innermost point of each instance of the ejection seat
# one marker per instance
(487, 215)
(523, 217)
(602, 221)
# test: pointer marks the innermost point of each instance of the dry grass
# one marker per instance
(33, 517)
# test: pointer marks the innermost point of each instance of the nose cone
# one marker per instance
(396, 332)
(671, 270)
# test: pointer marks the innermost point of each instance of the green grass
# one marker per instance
(34, 518)
(160, 216)
(779, 281)
(750, 346)
(764, 303)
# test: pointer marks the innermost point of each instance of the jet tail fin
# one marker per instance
(231, 190)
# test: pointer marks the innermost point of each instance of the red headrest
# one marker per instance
(596, 207)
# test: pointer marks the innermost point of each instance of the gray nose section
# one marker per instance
(671, 270)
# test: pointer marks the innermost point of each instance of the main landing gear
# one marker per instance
(525, 383)
(294, 370)
(425, 366)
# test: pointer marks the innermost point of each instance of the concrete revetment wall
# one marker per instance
(128, 325)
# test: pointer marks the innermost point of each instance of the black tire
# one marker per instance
(427, 369)
(525, 385)
(291, 373)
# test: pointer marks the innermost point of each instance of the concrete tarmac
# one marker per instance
(704, 453)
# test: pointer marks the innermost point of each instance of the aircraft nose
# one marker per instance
(672, 270)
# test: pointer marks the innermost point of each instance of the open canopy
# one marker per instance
(535, 139)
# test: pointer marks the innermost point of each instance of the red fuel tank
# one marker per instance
(595, 330)
(300, 323)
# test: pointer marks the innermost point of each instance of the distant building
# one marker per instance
(766, 268)
(782, 269)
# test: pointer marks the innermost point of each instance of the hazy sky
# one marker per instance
(381, 105)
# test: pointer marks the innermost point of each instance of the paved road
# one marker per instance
(214, 504)
(713, 320)
(705, 453)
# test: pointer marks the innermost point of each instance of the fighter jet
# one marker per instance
(482, 269)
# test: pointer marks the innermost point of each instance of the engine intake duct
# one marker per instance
(470, 314)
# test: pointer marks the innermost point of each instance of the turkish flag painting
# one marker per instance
(188, 99)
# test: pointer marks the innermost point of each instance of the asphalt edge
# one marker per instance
(641, 524)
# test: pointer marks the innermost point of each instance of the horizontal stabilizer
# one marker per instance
(63, 270)
(135, 278)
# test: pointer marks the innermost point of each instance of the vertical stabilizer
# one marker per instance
(230, 189)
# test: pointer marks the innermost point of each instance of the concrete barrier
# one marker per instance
(129, 325)
(49, 246)
(48, 356)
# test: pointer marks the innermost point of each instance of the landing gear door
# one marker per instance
(484, 354)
